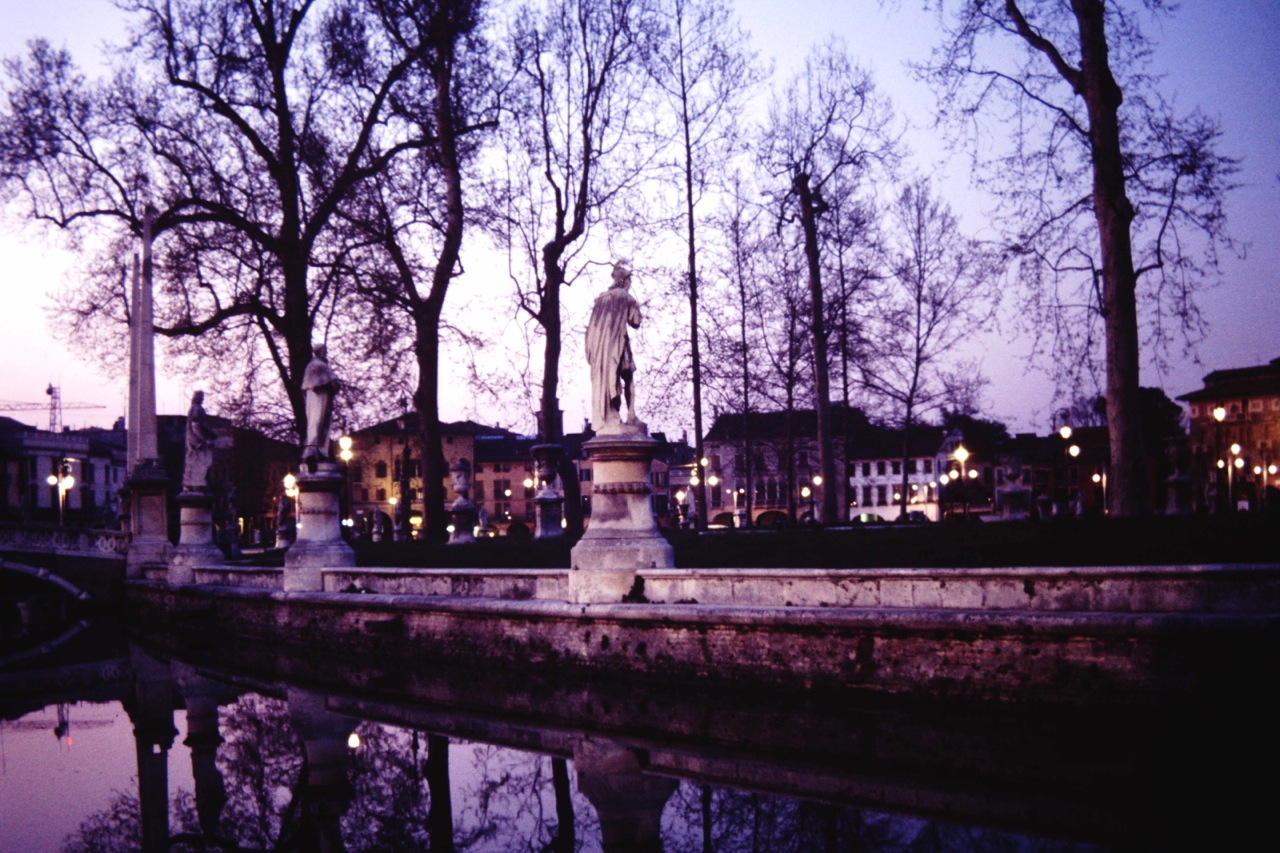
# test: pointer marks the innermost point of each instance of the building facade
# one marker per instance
(1234, 446)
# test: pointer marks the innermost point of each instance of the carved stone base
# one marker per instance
(462, 515)
(548, 505)
(149, 545)
(622, 537)
(195, 542)
(319, 544)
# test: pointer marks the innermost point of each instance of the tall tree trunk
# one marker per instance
(550, 429)
(810, 208)
(700, 490)
(1127, 488)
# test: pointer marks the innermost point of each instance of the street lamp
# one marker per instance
(1100, 478)
(346, 455)
(63, 481)
(962, 456)
(1219, 415)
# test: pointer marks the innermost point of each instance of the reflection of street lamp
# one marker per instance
(1100, 478)
(807, 494)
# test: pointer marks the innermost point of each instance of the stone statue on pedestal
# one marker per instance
(320, 386)
(609, 351)
(200, 443)
(623, 538)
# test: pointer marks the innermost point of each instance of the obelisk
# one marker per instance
(146, 486)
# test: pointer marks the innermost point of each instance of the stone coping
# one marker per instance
(1226, 588)
(766, 617)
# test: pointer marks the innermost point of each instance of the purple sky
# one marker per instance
(1220, 56)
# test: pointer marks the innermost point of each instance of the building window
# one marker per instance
(802, 459)
(382, 495)
(357, 472)
(866, 496)
(911, 466)
(866, 469)
(1255, 405)
(584, 475)
(380, 471)
(897, 467)
(928, 466)
(880, 467)
(882, 495)
(716, 498)
(477, 490)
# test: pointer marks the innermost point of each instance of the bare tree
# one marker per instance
(246, 124)
(827, 124)
(414, 211)
(704, 69)
(576, 146)
(941, 287)
(1102, 186)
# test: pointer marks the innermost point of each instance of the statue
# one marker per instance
(200, 442)
(319, 385)
(609, 350)
(460, 479)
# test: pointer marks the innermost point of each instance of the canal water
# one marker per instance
(109, 744)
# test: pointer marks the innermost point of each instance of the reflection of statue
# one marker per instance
(200, 440)
(319, 385)
(609, 350)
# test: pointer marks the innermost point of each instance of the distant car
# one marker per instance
(915, 516)
(866, 519)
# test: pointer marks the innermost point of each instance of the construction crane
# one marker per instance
(55, 405)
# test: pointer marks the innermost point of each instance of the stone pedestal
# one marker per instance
(195, 541)
(462, 515)
(622, 537)
(548, 504)
(319, 543)
(149, 545)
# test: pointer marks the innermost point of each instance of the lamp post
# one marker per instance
(807, 494)
(1100, 478)
(346, 455)
(63, 482)
(1219, 415)
(1231, 464)
(962, 456)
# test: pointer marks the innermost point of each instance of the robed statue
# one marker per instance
(201, 439)
(609, 351)
(319, 386)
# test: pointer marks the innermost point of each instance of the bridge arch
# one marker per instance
(42, 574)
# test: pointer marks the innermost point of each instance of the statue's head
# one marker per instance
(197, 398)
(621, 274)
(320, 351)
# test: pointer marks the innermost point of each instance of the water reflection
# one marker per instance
(290, 753)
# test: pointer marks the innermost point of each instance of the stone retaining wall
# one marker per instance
(1003, 654)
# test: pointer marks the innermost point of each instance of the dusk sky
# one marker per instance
(1220, 56)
